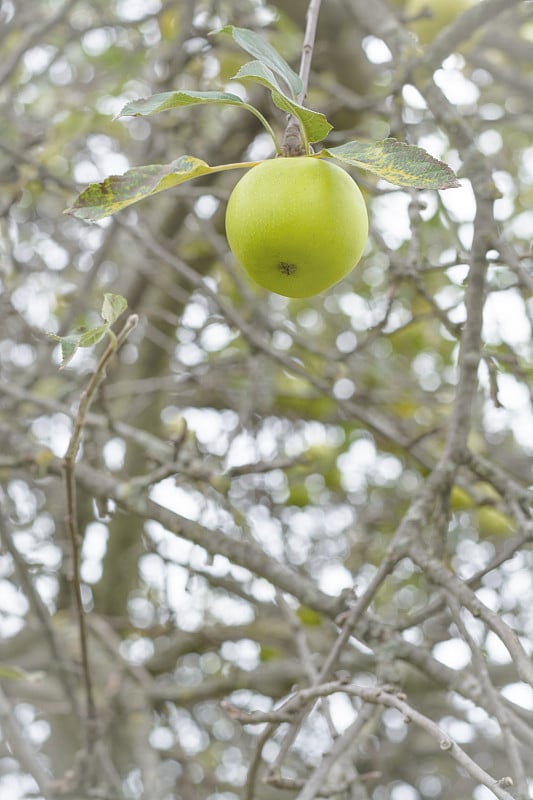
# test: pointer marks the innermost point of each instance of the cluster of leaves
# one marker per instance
(113, 306)
(398, 163)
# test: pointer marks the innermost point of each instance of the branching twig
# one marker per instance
(383, 696)
(509, 548)
(498, 709)
(445, 742)
(69, 463)
(315, 783)
(439, 574)
(22, 749)
(506, 485)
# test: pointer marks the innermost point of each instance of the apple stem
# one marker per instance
(294, 141)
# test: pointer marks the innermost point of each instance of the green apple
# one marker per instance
(460, 500)
(297, 225)
(492, 522)
(442, 13)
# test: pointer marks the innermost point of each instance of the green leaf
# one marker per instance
(259, 48)
(113, 306)
(399, 163)
(258, 72)
(118, 191)
(167, 100)
(93, 336)
(69, 345)
(314, 124)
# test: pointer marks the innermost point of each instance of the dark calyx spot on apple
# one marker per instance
(287, 269)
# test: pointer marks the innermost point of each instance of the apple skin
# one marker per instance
(443, 12)
(297, 225)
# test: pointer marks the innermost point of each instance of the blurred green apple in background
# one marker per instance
(440, 14)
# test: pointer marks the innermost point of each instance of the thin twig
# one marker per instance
(439, 574)
(315, 680)
(255, 763)
(294, 143)
(490, 693)
(308, 46)
(509, 548)
(69, 464)
(350, 619)
(383, 696)
(446, 743)
(316, 782)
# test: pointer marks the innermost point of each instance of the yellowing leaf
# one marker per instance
(399, 163)
(119, 191)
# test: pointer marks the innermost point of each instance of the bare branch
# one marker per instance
(69, 463)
